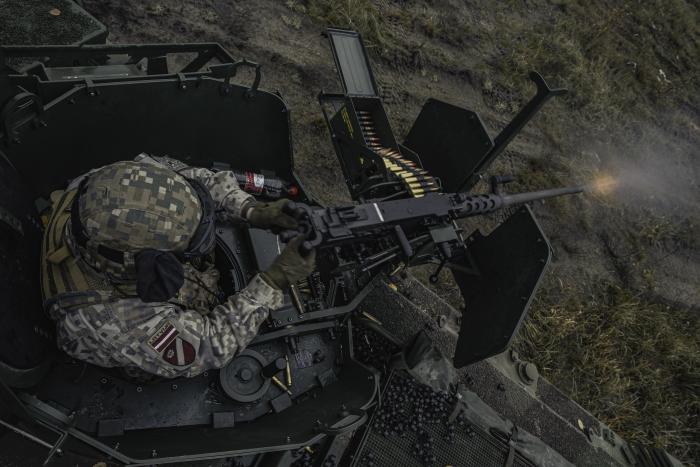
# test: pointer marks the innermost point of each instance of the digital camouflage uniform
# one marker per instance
(99, 317)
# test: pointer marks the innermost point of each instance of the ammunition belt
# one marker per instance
(415, 179)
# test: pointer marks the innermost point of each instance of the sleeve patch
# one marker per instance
(164, 336)
(179, 353)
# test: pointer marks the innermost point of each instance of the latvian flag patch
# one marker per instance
(174, 350)
(162, 337)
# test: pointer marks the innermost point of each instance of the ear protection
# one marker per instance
(159, 274)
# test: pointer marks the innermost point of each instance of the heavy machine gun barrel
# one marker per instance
(520, 198)
(404, 218)
(475, 205)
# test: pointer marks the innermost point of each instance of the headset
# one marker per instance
(159, 274)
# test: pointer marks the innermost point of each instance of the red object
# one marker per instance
(179, 353)
(293, 190)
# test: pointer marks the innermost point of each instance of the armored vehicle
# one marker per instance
(358, 367)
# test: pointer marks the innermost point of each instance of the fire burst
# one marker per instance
(604, 184)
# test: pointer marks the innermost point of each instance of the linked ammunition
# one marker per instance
(418, 178)
(420, 182)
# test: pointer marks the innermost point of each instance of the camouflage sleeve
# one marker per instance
(185, 343)
(231, 201)
(162, 338)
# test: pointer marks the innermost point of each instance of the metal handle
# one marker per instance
(229, 70)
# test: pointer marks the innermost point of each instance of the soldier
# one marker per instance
(127, 268)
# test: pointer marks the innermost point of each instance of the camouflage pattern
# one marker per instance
(99, 329)
(108, 325)
(231, 201)
(129, 206)
(200, 291)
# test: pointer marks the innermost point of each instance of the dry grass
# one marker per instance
(620, 60)
(636, 364)
(361, 15)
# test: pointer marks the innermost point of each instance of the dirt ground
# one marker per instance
(616, 322)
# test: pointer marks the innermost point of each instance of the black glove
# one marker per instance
(290, 267)
(272, 215)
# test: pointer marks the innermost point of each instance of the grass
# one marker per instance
(616, 60)
(633, 362)
(361, 15)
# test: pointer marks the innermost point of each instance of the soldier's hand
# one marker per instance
(290, 266)
(274, 215)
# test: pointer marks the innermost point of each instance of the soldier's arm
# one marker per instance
(232, 203)
(176, 342)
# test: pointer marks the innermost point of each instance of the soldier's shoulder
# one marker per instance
(76, 300)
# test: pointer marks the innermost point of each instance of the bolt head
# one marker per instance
(245, 374)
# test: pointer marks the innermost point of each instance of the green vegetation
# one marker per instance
(361, 15)
(632, 362)
(618, 61)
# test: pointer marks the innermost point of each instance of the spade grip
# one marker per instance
(292, 209)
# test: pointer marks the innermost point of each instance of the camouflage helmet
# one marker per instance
(130, 206)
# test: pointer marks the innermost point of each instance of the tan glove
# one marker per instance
(272, 215)
(290, 267)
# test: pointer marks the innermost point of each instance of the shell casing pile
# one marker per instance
(417, 181)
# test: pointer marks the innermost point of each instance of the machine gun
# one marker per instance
(428, 219)
(409, 197)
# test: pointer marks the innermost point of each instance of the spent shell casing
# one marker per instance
(288, 371)
(281, 385)
(295, 298)
(371, 318)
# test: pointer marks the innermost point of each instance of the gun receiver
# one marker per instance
(406, 218)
